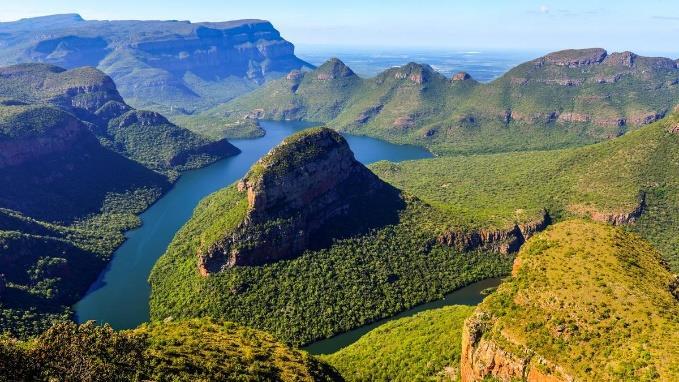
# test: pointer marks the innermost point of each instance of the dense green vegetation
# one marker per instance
(378, 257)
(368, 276)
(622, 328)
(210, 351)
(216, 128)
(424, 347)
(541, 104)
(195, 350)
(47, 267)
(324, 292)
(606, 178)
(76, 164)
(92, 97)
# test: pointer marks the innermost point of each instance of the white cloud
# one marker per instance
(544, 9)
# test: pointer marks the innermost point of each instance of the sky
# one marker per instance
(646, 27)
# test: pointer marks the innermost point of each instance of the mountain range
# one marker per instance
(562, 176)
(565, 98)
(172, 67)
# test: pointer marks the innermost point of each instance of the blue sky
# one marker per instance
(649, 26)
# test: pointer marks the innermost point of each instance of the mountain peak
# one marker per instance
(575, 57)
(415, 72)
(332, 69)
(307, 183)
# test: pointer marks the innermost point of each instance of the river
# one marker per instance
(469, 295)
(121, 293)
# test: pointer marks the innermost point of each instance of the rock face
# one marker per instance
(308, 185)
(481, 358)
(92, 97)
(155, 62)
(570, 282)
(502, 241)
(620, 218)
(461, 76)
(575, 58)
(58, 138)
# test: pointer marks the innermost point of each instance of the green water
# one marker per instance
(469, 295)
(120, 295)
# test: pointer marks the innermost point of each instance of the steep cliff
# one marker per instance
(169, 66)
(76, 166)
(92, 97)
(305, 187)
(586, 302)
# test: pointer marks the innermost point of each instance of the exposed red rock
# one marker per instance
(573, 117)
(646, 118)
(674, 129)
(295, 75)
(309, 180)
(503, 241)
(481, 358)
(404, 122)
(625, 59)
(461, 76)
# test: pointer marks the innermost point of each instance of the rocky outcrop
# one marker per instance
(369, 113)
(646, 118)
(482, 358)
(404, 122)
(674, 129)
(141, 118)
(309, 185)
(64, 135)
(461, 76)
(416, 73)
(621, 218)
(503, 241)
(575, 58)
(625, 59)
(573, 117)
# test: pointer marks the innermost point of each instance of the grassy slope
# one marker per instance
(201, 349)
(498, 190)
(418, 348)
(624, 328)
(177, 351)
(465, 117)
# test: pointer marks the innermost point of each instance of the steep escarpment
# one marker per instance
(173, 67)
(565, 98)
(58, 169)
(504, 241)
(631, 180)
(540, 326)
(76, 166)
(304, 186)
(92, 97)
